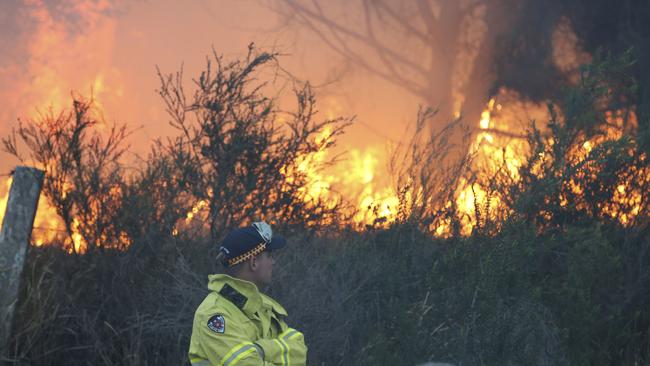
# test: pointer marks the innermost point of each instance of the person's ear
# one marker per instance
(252, 263)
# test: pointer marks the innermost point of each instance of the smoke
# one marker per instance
(54, 47)
(57, 46)
(568, 54)
(111, 49)
(474, 33)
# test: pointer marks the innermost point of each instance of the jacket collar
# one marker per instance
(246, 288)
(254, 298)
(277, 308)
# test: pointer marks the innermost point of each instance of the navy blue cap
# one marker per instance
(244, 243)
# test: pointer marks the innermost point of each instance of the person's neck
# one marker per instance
(246, 276)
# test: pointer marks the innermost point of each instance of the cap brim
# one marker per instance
(277, 242)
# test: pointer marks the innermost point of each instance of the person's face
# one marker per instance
(264, 268)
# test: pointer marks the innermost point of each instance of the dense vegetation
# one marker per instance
(555, 280)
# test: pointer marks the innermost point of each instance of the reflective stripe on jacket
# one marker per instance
(238, 325)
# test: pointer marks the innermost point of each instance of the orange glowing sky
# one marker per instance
(113, 47)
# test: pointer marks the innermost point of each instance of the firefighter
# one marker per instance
(236, 324)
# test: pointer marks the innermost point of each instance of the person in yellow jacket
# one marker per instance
(236, 324)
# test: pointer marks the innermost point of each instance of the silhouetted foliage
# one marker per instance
(428, 169)
(235, 153)
(83, 178)
(586, 166)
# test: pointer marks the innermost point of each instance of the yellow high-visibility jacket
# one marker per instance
(238, 325)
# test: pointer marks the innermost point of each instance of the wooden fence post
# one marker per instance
(14, 241)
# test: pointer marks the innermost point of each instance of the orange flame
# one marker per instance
(357, 179)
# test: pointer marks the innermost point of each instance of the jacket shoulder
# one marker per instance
(215, 304)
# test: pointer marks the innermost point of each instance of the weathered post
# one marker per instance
(14, 241)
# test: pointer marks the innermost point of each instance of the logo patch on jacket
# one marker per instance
(217, 323)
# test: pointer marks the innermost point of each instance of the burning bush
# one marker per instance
(237, 155)
(584, 164)
(233, 151)
(587, 165)
(84, 179)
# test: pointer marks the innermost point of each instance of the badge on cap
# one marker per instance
(217, 323)
(264, 230)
